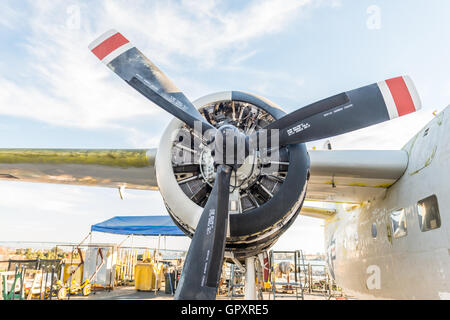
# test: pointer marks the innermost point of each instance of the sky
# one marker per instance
(55, 94)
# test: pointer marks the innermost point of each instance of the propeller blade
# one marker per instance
(348, 111)
(203, 265)
(114, 50)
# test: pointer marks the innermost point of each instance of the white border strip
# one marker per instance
(413, 92)
(108, 34)
(388, 99)
(110, 57)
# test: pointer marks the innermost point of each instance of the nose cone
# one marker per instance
(229, 146)
(227, 130)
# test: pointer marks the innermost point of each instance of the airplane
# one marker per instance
(234, 171)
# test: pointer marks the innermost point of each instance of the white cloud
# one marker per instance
(30, 210)
(63, 84)
(336, 3)
(263, 84)
(203, 31)
(8, 16)
(40, 198)
(67, 85)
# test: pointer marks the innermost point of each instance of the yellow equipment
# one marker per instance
(265, 285)
(147, 256)
(77, 283)
(77, 272)
(148, 276)
(84, 288)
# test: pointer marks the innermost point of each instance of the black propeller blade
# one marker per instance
(203, 265)
(348, 111)
(113, 49)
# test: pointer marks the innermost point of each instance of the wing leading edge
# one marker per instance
(348, 176)
(133, 169)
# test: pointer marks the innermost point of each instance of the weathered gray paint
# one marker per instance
(416, 266)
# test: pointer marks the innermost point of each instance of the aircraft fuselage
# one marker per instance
(397, 245)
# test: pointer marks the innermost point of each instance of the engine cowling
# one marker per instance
(268, 191)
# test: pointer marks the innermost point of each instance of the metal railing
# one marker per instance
(28, 279)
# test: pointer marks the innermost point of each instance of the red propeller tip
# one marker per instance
(400, 96)
(109, 46)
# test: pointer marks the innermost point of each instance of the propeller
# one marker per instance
(114, 50)
(203, 264)
(204, 260)
(346, 112)
(338, 114)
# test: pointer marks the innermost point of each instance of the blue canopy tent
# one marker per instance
(139, 226)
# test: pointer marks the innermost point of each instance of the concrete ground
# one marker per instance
(130, 293)
(124, 293)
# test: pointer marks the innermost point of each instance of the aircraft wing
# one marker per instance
(336, 176)
(133, 169)
(353, 176)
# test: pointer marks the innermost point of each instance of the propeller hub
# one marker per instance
(229, 146)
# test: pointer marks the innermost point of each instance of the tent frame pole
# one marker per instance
(120, 244)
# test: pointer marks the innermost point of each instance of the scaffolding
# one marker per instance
(236, 282)
(294, 260)
(318, 280)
